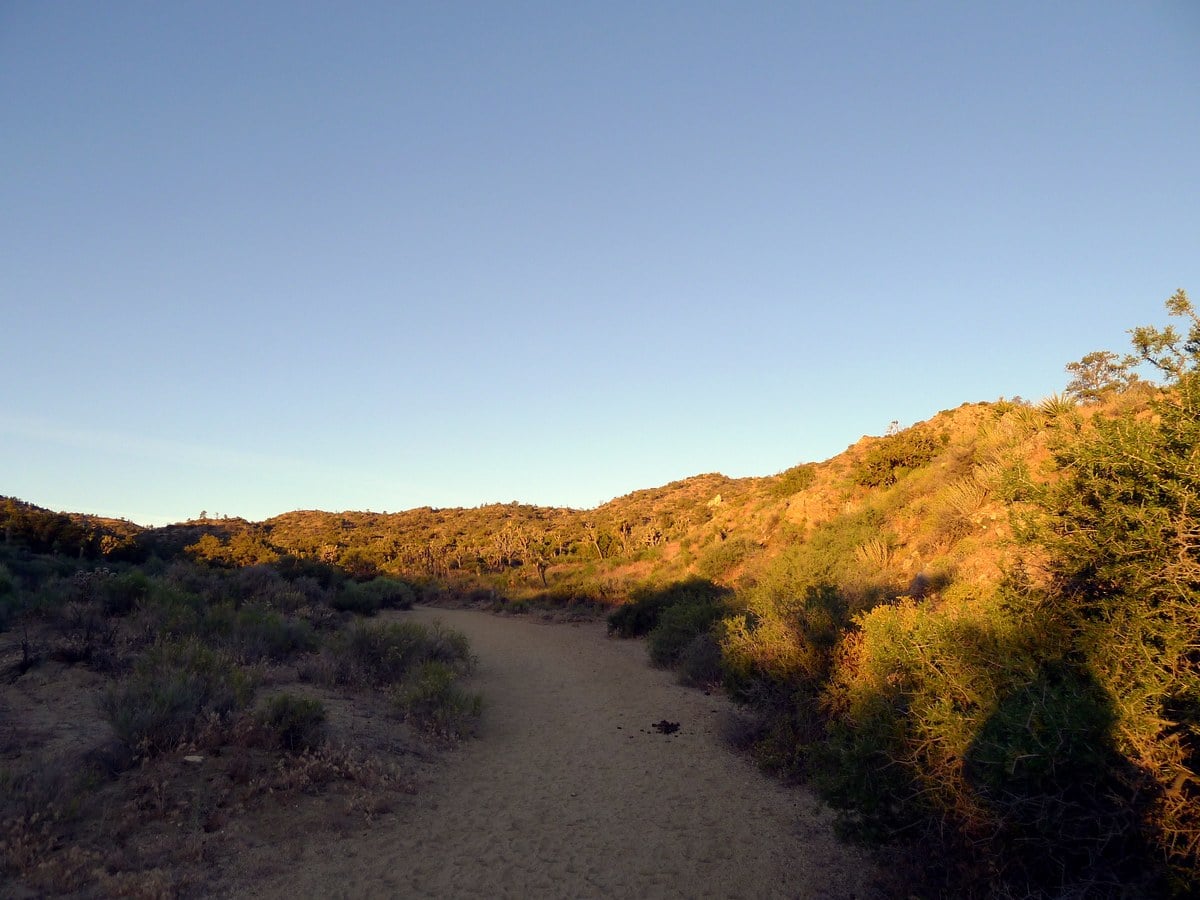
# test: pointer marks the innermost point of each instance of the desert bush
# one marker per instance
(297, 723)
(385, 654)
(84, 635)
(195, 580)
(955, 507)
(351, 598)
(263, 584)
(700, 662)
(308, 591)
(773, 649)
(368, 597)
(718, 559)
(293, 568)
(431, 700)
(450, 647)
(1015, 484)
(1057, 408)
(892, 457)
(794, 480)
(586, 596)
(831, 555)
(381, 655)
(122, 593)
(253, 633)
(877, 554)
(642, 613)
(12, 600)
(1122, 533)
(167, 610)
(678, 627)
(971, 728)
(172, 688)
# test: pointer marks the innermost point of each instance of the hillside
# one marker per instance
(976, 634)
(938, 496)
(936, 500)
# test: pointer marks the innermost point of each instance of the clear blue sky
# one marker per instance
(264, 256)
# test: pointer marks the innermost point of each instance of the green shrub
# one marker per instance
(1122, 534)
(385, 654)
(777, 649)
(293, 568)
(445, 645)
(642, 613)
(170, 610)
(794, 480)
(11, 600)
(253, 632)
(353, 597)
(721, 557)
(368, 597)
(1016, 484)
(678, 626)
(970, 728)
(431, 700)
(124, 593)
(298, 723)
(700, 662)
(173, 687)
(892, 457)
(382, 655)
(831, 555)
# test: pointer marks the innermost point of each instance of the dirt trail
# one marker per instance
(569, 792)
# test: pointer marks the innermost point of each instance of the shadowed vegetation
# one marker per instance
(977, 635)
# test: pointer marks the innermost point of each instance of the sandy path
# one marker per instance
(569, 792)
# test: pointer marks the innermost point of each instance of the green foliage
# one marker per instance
(1015, 483)
(42, 531)
(700, 663)
(977, 717)
(10, 598)
(174, 687)
(794, 480)
(1057, 408)
(1097, 375)
(678, 627)
(243, 547)
(1122, 530)
(892, 457)
(385, 654)
(294, 568)
(359, 564)
(353, 599)
(430, 699)
(724, 555)
(642, 613)
(1173, 354)
(297, 723)
(253, 633)
(777, 649)
(368, 597)
(832, 555)
(125, 592)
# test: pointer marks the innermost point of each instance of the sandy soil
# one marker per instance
(569, 792)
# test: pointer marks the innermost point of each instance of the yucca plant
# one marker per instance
(1056, 407)
(876, 553)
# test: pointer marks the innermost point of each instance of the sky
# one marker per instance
(380, 255)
